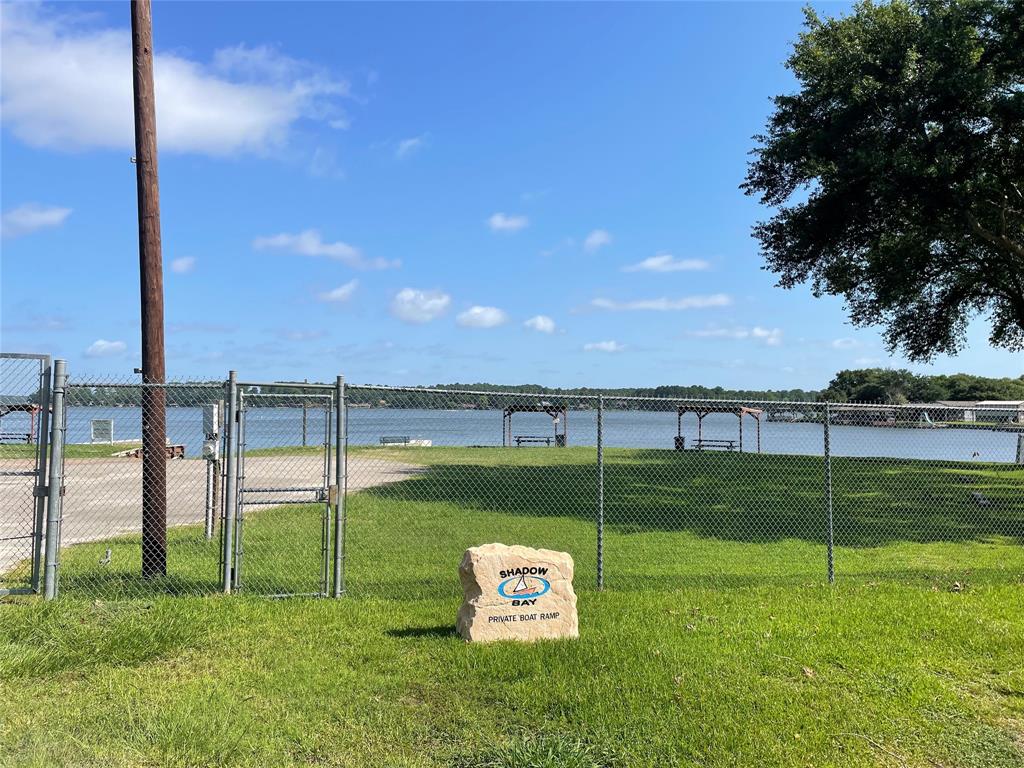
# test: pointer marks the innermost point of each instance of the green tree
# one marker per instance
(897, 169)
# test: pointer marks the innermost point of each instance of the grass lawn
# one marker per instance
(717, 642)
(71, 451)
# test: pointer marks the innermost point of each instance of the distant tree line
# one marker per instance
(901, 386)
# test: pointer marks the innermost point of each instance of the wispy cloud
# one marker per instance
(663, 304)
(341, 294)
(666, 262)
(531, 196)
(503, 222)
(31, 217)
(845, 343)
(481, 317)
(411, 146)
(604, 346)
(323, 164)
(200, 328)
(413, 305)
(36, 324)
(310, 243)
(596, 239)
(771, 337)
(183, 265)
(541, 324)
(104, 348)
(247, 99)
(293, 335)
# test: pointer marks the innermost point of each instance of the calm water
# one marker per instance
(267, 427)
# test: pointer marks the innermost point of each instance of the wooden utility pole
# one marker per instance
(154, 415)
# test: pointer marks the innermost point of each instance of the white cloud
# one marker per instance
(415, 306)
(183, 265)
(868, 362)
(603, 346)
(65, 86)
(104, 348)
(481, 317)
(845, 343)
(666, 262)
(772, 337)
(340, 294)
(408, 147)
(310, 243)
(541, 324)
(31, 217)
(663, 304)
(502, 222)
(596, 239)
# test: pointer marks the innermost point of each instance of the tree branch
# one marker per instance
(1002, 242)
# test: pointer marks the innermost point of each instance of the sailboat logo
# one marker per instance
(523, 586)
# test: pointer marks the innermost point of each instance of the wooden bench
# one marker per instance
(720, 445)
(394, 440)
(170, 451)
(520, 439)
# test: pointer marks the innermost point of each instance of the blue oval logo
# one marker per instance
(523, 587)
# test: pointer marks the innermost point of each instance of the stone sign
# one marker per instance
(516, 593)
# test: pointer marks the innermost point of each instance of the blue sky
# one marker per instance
(415, 194)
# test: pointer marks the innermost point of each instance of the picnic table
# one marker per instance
(520, 439)
(721, 445)
(170, 452)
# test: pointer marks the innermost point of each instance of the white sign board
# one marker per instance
(101, 431)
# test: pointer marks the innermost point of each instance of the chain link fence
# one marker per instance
(24, 432)
(320, 489)
(104, 507)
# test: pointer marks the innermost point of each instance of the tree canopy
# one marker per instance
(886, 385)
(897, 170)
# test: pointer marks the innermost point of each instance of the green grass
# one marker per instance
(717, 643)
(71, 451)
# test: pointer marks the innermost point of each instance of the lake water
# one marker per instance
(268, 427)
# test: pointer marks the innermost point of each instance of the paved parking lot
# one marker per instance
(103, 497)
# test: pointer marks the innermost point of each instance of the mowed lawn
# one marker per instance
(717, 641)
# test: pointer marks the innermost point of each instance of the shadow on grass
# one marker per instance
(405, 539)
(439, 632)
(746, 497)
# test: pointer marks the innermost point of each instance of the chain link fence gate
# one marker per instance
(24, 434)
(286, 489)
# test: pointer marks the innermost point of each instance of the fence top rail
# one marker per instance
(80, 383)
(23, 356)
(311, 395)
(294, 384)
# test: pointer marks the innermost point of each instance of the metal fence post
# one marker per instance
(230, 498)
(55, 489)
(340, 483)
(600, 492)
(42, 473)
(828, 496)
